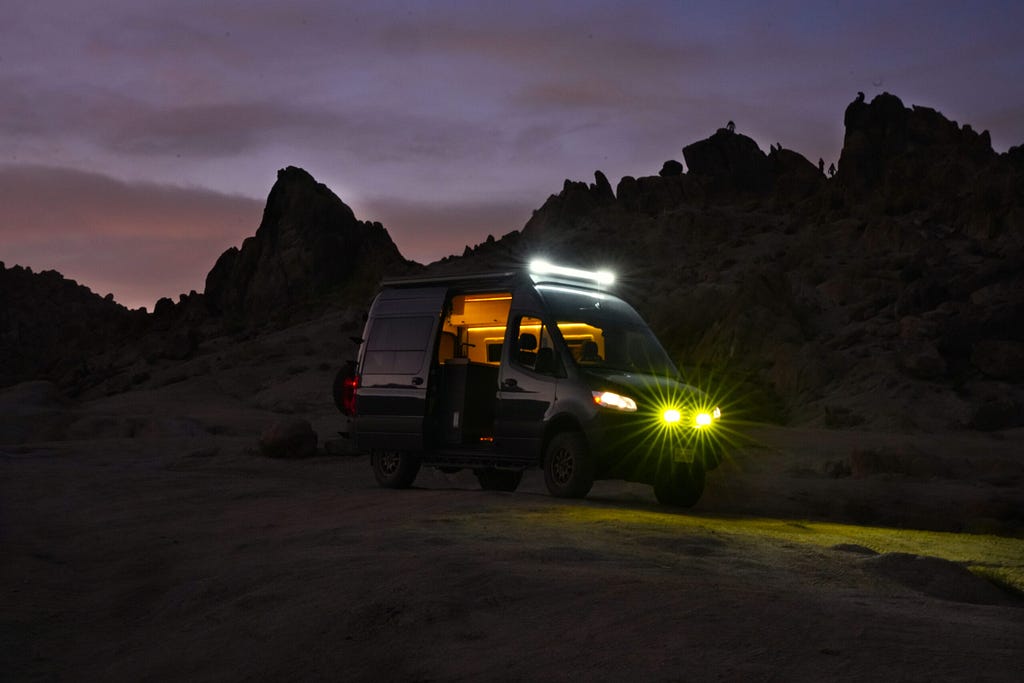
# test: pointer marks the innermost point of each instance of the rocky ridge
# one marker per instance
(889, 295)
(886, 296)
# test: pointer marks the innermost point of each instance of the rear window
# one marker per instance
(397, 345)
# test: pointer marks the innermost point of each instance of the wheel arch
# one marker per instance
(558, 424)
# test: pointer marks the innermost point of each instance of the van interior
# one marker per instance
(469, 353)
(475, 328)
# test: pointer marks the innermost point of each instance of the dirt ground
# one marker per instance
(142, 537)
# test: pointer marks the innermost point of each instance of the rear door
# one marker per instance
(395, 364)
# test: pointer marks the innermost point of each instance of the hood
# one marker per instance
(645, 389)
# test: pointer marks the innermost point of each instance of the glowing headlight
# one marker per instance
(703, 419)
(716, 413)
(671, 416)
(609, 399)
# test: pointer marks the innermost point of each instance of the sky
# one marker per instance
(139, 138)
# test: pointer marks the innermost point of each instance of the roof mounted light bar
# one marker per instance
(540, 268)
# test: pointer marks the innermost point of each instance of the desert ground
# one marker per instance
(144, 537)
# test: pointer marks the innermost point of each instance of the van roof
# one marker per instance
(485, 279)
(508, 278)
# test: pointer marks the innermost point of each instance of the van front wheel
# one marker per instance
(395, 469)
(568, 468)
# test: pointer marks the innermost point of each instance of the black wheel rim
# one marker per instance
(562, 465)
(389, 463)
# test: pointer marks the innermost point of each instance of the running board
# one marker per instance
(476, 459)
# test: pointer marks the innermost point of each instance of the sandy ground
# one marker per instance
(142, 537)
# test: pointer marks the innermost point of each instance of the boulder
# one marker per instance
(793, 176)
(1000, 359)
(733, 160)
(920, 358)
(671, 168)
(289, 438)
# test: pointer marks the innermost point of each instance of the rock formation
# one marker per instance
(308, 254)
(308, 244)
(734, 160)
(888, 296)
(54, 327)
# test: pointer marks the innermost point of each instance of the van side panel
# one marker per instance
(394, 367)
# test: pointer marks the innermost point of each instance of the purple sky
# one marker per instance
(138, 140)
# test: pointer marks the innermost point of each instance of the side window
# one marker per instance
(397, 345)
(534, 348)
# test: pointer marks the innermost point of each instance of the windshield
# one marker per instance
(603, 332)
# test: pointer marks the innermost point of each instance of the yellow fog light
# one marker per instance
(703, 419)
(671, 416)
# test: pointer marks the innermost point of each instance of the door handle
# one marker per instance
(417, 381)
(510, 383)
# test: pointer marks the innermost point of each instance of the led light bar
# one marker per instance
(601, 277)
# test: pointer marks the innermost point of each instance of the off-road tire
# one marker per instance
(568, 466)
(499, 480)
(395, 469)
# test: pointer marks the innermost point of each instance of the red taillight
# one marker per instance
(348, 394)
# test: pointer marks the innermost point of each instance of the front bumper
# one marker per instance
(641, 446)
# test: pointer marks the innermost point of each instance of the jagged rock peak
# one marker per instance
(308, 243)
(884, 139)
(295, 193)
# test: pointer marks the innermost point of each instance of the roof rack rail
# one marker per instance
(472, 278)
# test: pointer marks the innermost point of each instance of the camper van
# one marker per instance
(541, 368)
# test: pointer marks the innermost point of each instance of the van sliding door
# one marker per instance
(395, 368)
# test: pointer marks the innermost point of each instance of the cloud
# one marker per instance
(426, 231)
(140, 241)
(473, 112)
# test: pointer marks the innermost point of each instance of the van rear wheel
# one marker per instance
(684, 487)
(499, 480)
(395, 469)
(568, 467)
